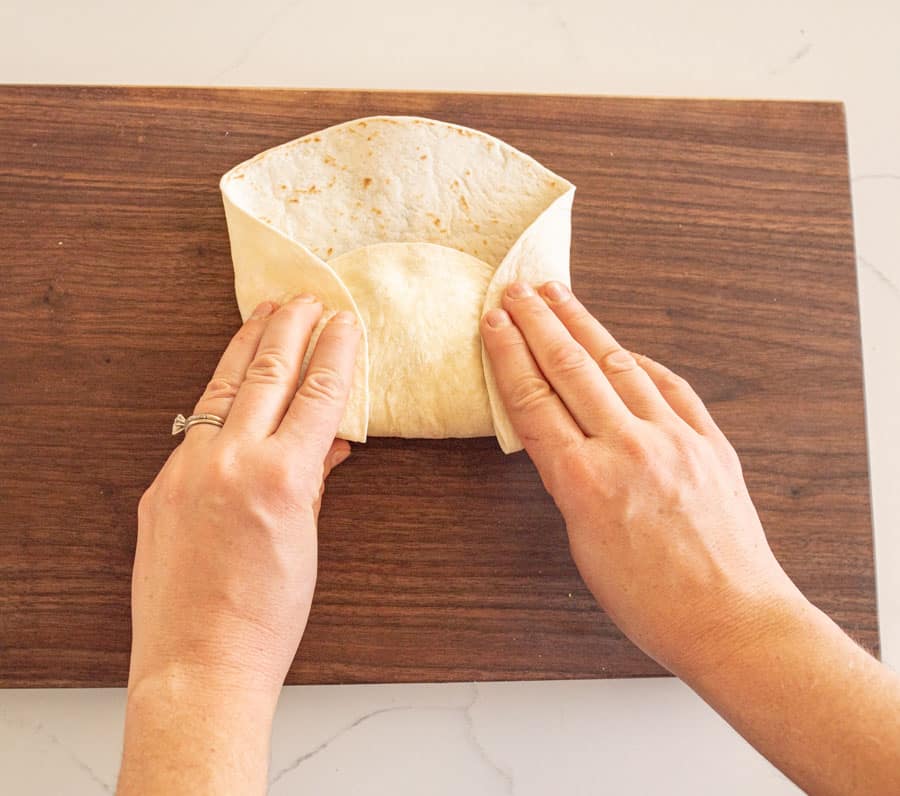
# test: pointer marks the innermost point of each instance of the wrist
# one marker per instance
(183, 686)
(742, 624)
(195, 731)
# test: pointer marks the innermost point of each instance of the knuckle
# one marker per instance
(529, 392)
(669, 380)
(269, 366)
(692, 457)
(246, 334)
(728, 455)
(221, 386)
(566, 357)
(618, 361)
(578, 316)
(572, 472)
(279, 478)
(507, 341)
(323, 384)
(226, 461)
(635, 449)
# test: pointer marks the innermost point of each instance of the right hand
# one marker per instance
(660, 523)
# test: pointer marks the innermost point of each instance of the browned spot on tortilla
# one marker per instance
(330, 251)
(363, 124)
(495, 220)
(331, 182)
(311, 189)
(477, 227)
(455, 185)
(437, 221)
(239, 176)
(329, 160)
(376, 211)
(490, 144)
(316, 139)
(422, 157)
(283, 187)
(293, 200)
(484, 241)
(468, 172)
(367, 181)
(463, 203)
(387, 180)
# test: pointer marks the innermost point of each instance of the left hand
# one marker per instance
(225, 565)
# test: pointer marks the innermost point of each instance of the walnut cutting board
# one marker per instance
(714, 236)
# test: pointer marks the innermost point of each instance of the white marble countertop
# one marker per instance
(640, 736)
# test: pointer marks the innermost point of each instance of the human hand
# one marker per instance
(225, 565)
(660, 523)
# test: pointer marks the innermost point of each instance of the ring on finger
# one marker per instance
(182, 423)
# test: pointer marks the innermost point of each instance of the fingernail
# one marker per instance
(263, 310)
(555, 291)
(346, 317)
(496, 318)
(340, 456)
(519, 290)
(306, 298)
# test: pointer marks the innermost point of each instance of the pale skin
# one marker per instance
(660, 523)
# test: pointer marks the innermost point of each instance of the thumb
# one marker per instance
(337, 453)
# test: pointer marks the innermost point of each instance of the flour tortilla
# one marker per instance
(420, 304)
(416, 226)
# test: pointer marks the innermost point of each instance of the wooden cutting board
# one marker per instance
(714, 236)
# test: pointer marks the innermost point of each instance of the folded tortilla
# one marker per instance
(416, 226)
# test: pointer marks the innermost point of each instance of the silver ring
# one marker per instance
(182, 423)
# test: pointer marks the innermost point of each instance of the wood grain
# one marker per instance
(714, 236)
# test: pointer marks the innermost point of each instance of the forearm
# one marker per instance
(183, 737)
(808, 698)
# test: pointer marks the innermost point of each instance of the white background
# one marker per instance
(648, 736)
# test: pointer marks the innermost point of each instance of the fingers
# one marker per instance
(630, 381)
(535, 410)
(565, 363)
(679, 395)
(229, 374)
(312, 419)
(272, 375)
